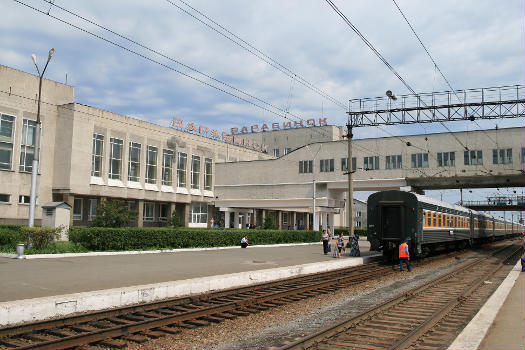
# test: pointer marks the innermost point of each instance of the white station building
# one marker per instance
(89, 155)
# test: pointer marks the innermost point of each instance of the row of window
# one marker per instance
(417, 160)
(152, 155)
(6, 198)
(7, 141)
(277, 152)
(151, 211)
(434, 219)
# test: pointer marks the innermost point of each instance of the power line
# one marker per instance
(286, 112)
(166, 57)
(436, 65)
(226, 33)
(374, 50)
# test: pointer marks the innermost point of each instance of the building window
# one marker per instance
(149, 211)
(371, 163)
(96, 155)
(24, 199)
(502, 156)
(287, 150)
(115, 158)
(195, 171)
(77, 209)
(394, 162)
(446, 158)
(474, 157)
(208, 173)
(181, 169)
(151, 165)
(167, 160)
(164, 211)
(276, 153)
(92, 209)
(27, 150)
(198, 213)
(134, 161)
(305, 166)
(344, 164)
(326, 165)
(6, 141)
(4, 198)
(419, 160)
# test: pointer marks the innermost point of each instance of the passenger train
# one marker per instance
(429, 225)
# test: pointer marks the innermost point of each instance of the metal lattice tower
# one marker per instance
(472, 104)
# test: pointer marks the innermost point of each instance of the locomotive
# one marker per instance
(428, 224)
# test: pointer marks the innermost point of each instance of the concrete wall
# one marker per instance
(66, 152)
(18, 98)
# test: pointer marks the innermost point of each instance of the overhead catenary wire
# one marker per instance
(163, 56)
(378, 54)
(436, 65)
(266, 105)
(244, 44)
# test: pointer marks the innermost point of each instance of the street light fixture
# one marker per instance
(36, 156)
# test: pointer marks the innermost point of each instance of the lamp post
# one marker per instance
(315, 225)
(34, 169)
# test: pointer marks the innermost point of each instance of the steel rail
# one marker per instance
(333, 330)
(328, 282)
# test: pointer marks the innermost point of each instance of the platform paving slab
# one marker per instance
(500, 323)
(42, 288)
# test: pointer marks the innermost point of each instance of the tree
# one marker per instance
(113, 214)
(174, 220)
(269, 222)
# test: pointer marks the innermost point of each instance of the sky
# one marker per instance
(178, 60)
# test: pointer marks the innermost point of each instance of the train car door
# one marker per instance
(392, 222)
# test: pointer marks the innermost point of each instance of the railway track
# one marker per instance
(116, 328)
(427, 318)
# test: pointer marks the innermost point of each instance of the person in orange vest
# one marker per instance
(404, 255)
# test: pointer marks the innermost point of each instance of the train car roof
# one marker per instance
(442, 204)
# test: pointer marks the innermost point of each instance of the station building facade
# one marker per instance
(88, 155)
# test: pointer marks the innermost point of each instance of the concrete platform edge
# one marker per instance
(13, 312)
(473, 334)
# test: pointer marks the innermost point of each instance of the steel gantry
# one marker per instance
(472, 104)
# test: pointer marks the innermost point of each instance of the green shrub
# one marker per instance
(133, 238)
(40, 236)
(58, 248)
(11, 235)
(269, 222)
(113, 213)
(174, 220)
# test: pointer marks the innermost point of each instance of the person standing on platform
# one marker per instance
(244, 242)
(404, 255)
(354, 245)
(340, 244)
(325, 238)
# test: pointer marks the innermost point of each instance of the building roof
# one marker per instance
(56, 205)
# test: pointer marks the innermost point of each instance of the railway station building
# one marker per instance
(89, 155)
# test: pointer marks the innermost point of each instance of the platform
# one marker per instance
(35, 289)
